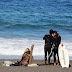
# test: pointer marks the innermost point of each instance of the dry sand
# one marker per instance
(41, 68)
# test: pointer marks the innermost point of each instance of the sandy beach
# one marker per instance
(41, 68)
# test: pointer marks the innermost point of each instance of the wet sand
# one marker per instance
(41, 68)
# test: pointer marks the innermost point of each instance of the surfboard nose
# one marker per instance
(62, 44)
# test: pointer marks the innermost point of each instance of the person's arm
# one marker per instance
(22, 57)
(59, 39)
(52, 40)
(44, 38)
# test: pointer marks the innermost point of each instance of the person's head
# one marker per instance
(54, 33)
(51, 31)
(27, 49)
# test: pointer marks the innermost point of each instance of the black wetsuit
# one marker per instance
(48, 45)
(56, 41)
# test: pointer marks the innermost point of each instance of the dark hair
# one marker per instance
(51, 31)
(55, 32)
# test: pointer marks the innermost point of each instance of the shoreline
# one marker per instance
(36, 57)
(41, 68)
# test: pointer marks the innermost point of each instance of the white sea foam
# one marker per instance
(17, 46)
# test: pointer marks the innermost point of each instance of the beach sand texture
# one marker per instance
(41, 68)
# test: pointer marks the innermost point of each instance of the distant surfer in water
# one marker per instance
(56, 41)
(48, 45)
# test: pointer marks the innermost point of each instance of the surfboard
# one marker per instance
(32, 65)
(30, 59)
(63, 56)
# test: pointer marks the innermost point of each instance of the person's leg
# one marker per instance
(45, 57)
(58, 58)
(54, 57)
(48, 57)
(49, 54)
(45, 50)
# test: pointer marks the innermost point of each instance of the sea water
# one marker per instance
(25, 22)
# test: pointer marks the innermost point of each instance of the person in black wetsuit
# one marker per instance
(56, 41)
(48, 45)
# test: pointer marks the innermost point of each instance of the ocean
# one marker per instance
(25, 22)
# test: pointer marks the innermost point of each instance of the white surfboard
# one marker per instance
(63, 56)
(32, 65)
